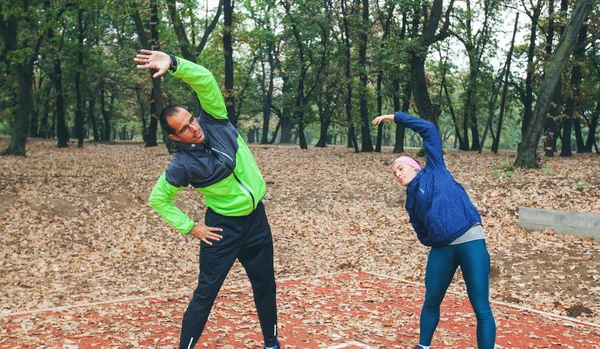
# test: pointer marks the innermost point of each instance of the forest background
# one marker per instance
(309, 72)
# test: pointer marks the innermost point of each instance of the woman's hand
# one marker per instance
(204, 233)
(153, 60)
(379, 119)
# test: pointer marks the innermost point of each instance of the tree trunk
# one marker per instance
(417, 56)
(352, 142)
(142, 113)
(400, 129)
(44, 130)
(591, 138)
(274, 136)
(268, 96)
(24, 73)
(92, 119)
(579, 55)
(492, 108)
(461, 143)
(386, 33)
(475, 45)
(250, 136)
(286, 128)
(570, 105)
(528, 102)
(153, 128)
(34, 124)
(324, 106)
(379, 111)
(52, 128)
(578, 135)
(157, 97)
(550, 127)
(526, 156)
(105, 114)
(79, 119)
(496, 142)
(302, 137)
(228, 54)
(367, 144)
(61, 128)
(419, 89)
(474, 129)
(323, 134)
(285, 121)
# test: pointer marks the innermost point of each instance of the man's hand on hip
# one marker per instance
(205, 233)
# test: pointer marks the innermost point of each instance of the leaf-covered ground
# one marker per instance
(76, 227)
(326, 312)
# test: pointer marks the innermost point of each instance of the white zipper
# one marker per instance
(220, 152)
(236, 178)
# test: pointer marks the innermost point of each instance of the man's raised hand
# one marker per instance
(156, 60)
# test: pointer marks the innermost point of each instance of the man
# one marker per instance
(213, 158)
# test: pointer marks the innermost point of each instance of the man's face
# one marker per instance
(187, 129)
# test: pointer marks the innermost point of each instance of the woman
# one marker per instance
(445, 219)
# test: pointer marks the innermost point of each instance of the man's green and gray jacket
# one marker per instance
(222, 167)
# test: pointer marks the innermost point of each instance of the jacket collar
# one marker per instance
(414, 183)
(180, 146)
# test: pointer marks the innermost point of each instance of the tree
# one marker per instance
(385, 19)
(156, 96)
(228, 54)
(20, 23)
(418, 54)
(348, 64)
(265, 22)
(61, 126)
(306, 82)
(551, 127)
(570, 118)
(496, 137)
(475, 45)
(526, 156)
(367, 144)
(534, 15)
(79, 118)
(592, 120)
(189, 49)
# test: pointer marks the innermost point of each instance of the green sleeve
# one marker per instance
(161, 200)
(204, 84)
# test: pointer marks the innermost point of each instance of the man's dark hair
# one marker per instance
(167, 112)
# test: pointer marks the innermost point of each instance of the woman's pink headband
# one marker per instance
(409, 161)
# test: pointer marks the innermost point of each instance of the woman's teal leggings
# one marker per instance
(474, 262)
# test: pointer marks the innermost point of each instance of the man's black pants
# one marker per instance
(248, 239)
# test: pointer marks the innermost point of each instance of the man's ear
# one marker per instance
(173, 137)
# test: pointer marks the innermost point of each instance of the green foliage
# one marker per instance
(548, 171)
(578, 186)
(111, 40)
(505, 166)
(505, 170)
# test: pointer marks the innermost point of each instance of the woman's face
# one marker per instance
(403, 172)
